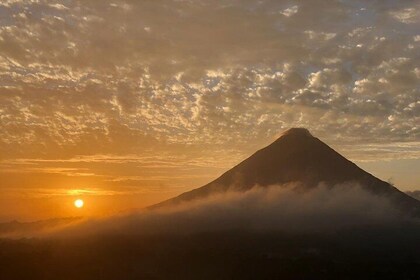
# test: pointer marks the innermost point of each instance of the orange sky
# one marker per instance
(127, 103)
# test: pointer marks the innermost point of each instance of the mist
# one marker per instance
(274, 232)
(287, 209)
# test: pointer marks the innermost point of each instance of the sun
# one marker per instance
(78, 203)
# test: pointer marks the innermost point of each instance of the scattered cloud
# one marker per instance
(290, 11)
(407, 15)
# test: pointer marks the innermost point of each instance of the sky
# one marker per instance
(127, 103)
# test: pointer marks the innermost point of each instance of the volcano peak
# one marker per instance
(298, 157)
(297, 131)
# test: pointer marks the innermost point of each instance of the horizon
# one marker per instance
(296, 131)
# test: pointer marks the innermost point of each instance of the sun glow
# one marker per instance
(78, 203)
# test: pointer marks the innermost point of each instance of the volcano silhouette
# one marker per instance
(298, 157)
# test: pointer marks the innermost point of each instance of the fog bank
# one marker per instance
(288, 209)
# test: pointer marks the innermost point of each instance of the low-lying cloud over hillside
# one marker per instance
(287, 209)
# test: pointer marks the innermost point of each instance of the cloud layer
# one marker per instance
(284, 209)
(88, 77)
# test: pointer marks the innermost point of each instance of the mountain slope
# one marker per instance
(297, 156)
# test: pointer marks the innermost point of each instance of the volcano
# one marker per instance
(298, 157)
